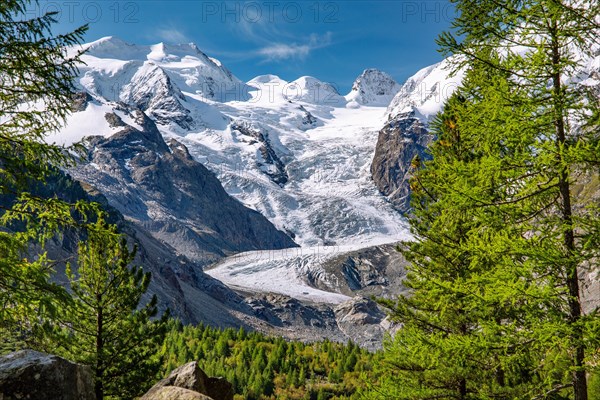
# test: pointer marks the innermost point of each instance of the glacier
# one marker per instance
(297, 152)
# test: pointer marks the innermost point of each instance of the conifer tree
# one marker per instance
(501, 240)
(542, 46)
(456, 340)
(105, 325)
(35, 68)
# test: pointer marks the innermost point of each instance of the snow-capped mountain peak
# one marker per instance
(425, 93)
(267, 78)
(374, 88)
(311, 90)
(112, 64)
(111, 47)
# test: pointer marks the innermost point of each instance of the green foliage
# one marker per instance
(501, 239)
(261, 367)
(594, 385)
(457, 339)
(34, 69)
(104, 325)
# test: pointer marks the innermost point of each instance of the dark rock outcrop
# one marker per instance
(28, 374)
(372, 271)
(269, 161)
(308, 120)
(189, 382)
(114, 121)
(80, 101)
(401, 139)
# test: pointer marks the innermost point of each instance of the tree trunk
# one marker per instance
(579, 376)
(462, 389)
(98, 383)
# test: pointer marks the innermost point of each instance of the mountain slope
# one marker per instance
(173, 197)
(405, 134)
(294, 151)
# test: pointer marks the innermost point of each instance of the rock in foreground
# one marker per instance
(189, 382)
(29, 374)
(174, 393)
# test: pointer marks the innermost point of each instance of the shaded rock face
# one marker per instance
(308, 120)
(176, 199)
(80, 101)
(28, 374)
(400, 140)
(189, 382)
(219, 388)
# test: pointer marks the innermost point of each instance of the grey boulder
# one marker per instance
(189, 382)
(29, 374)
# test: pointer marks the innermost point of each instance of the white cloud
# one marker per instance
(172, 35)
(283, 51)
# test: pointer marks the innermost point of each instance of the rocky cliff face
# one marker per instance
(153, 92)
(161, 188)
(402, 139)
(405, 133)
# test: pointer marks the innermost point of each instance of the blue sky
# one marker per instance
(331, 40)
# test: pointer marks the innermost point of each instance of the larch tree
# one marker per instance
(36, 87)
(105, 326)
(543, 47)
(501, 240)
(458, 338)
